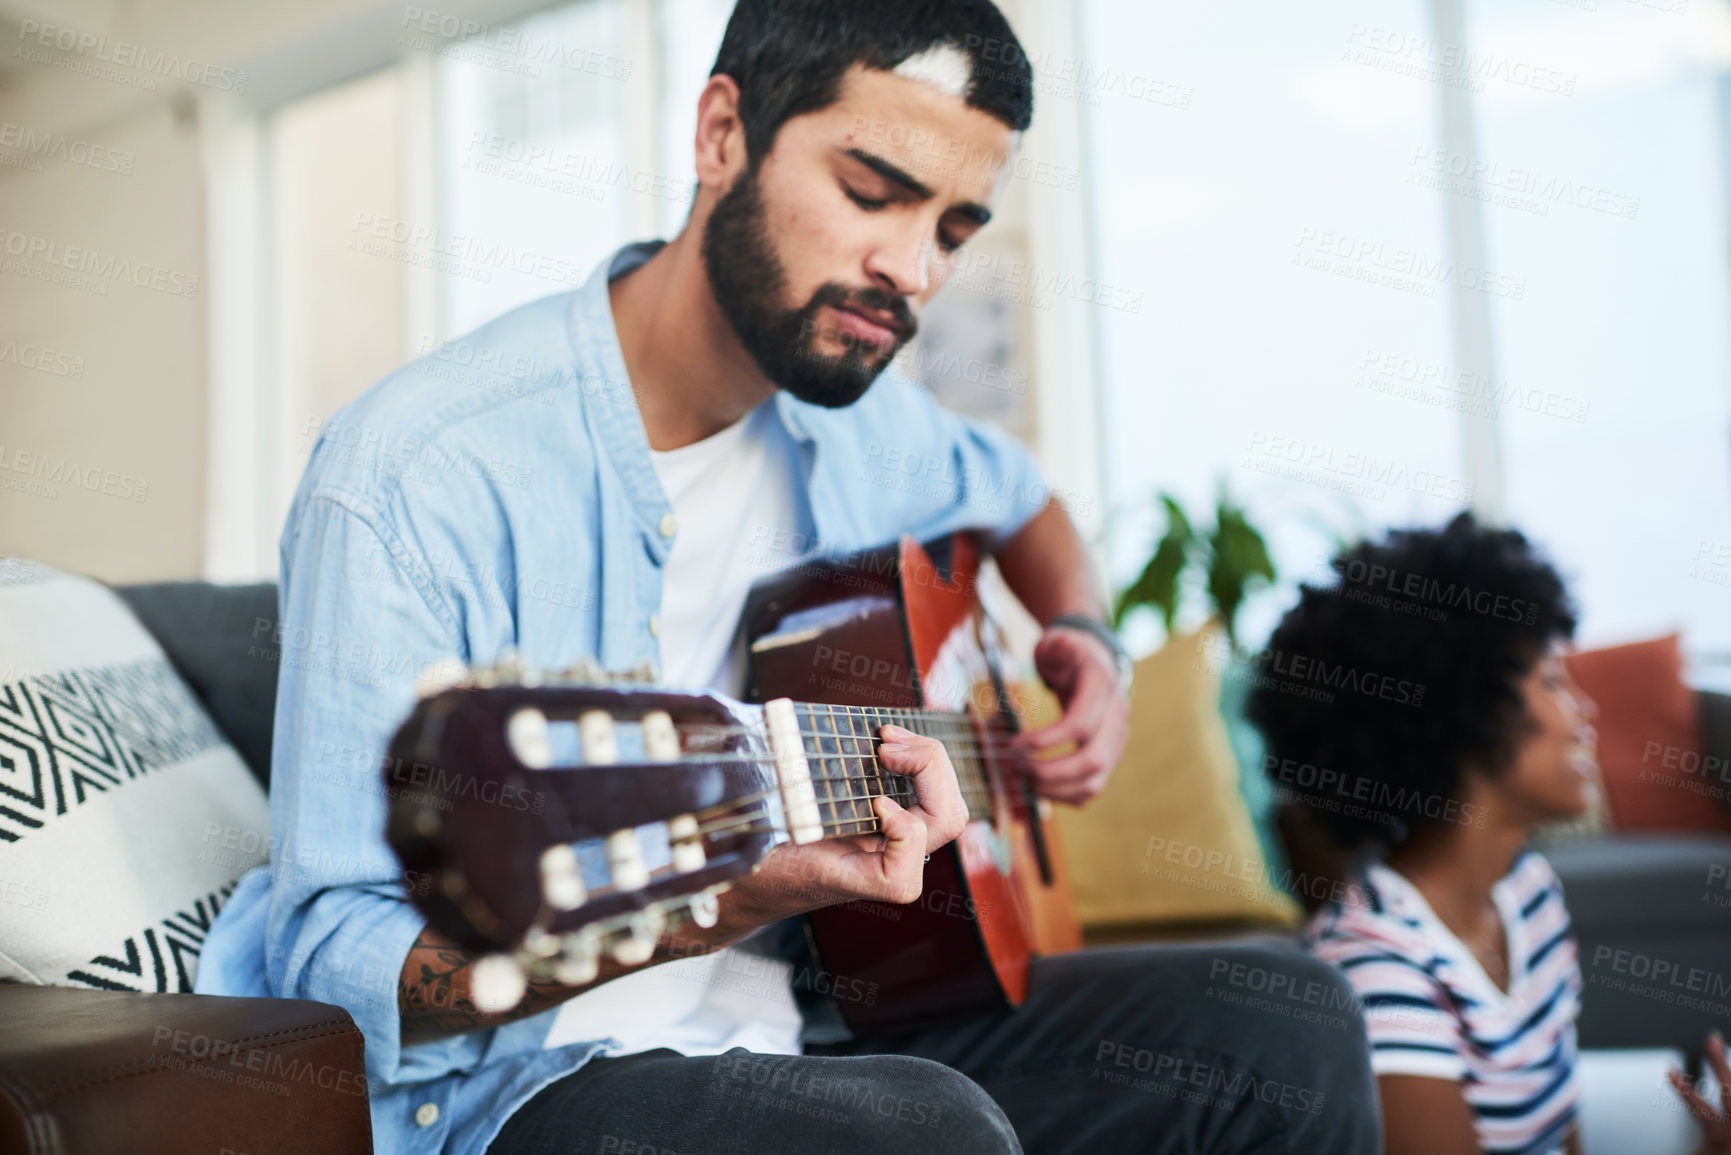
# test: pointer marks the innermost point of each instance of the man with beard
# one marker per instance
(702, 412)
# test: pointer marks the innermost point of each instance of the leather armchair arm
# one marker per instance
(99, 1071)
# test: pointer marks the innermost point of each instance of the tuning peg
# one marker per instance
(687, 844)
(600, 741)
(539, 944)
(562, 878)
(704, 910)
(497, 983)
(660, 739)
(530, 738)
(625, 859)
(635, 944)
(579, 957)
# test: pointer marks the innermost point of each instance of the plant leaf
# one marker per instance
(1239, 555)
(1157, 585)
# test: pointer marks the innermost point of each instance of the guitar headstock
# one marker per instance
(552, 818)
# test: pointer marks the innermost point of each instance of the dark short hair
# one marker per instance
(788, 56)
(1408, 669)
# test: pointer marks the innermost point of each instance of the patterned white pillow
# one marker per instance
(125, 816)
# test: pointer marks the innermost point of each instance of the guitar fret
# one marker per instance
(861, 728)
(841, 749)
(823, 786)
(831, 744)
(884, 783)
(850, 748)
(854, 816)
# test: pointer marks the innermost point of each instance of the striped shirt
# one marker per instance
(1432, 1011)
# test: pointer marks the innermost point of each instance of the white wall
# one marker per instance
(132, 424)
(286, 325)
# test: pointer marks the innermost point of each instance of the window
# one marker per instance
(536, 169)
(1616, 370)
(1291, 230)
(472, 174)
(1265, 214)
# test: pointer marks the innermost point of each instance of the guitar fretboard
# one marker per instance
(840, 749)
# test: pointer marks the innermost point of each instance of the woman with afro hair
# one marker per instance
(1419, 709)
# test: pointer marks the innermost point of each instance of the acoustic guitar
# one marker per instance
(499, 779)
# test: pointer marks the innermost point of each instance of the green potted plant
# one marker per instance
(1232, 557)
(1224, 563)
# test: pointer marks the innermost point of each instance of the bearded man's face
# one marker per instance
(822, 253)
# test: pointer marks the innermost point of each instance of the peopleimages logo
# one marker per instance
(43, 144)
(41, 359)
(1319, 784)
(54, 471)
(125, 54)
(1377, 578)
(420, 27)
(104, 267)
(1351, 471)
(1300, 673)
(1544, 188)
(1397, 266)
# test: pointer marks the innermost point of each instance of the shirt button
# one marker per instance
(427, 1114)
(669, 525)
(655, 625)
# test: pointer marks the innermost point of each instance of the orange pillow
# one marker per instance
(1656, 774)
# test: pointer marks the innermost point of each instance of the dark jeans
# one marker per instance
(1210, 1048)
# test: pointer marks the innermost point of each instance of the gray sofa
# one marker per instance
(1652, 912)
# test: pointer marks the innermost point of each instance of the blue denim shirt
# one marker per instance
(499, 492)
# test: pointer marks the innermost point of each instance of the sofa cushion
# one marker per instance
(222, 641)
(125, 817)
(1652, 915)
(1632, 880)
(1650, 749)
(1170, 838)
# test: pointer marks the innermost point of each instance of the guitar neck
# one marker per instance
(840, 745)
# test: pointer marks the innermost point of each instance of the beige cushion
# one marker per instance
(1170, 839)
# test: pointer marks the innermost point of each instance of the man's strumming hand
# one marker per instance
(1083, 672)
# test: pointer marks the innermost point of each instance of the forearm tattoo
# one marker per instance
(433, 993)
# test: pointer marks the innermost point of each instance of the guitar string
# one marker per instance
(947, 719)
(767, 761)
(962, 734)
(723, 823)
(968, 776)
(733, 804)
(845, 780)
(960, 746)
(744, 800)
(743, 824)
(967, 744)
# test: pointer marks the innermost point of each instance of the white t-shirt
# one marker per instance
(733, 496)
(733, 499)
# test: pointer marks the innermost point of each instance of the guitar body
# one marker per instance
(903, 627)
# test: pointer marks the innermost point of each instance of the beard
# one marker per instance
(748, 281)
